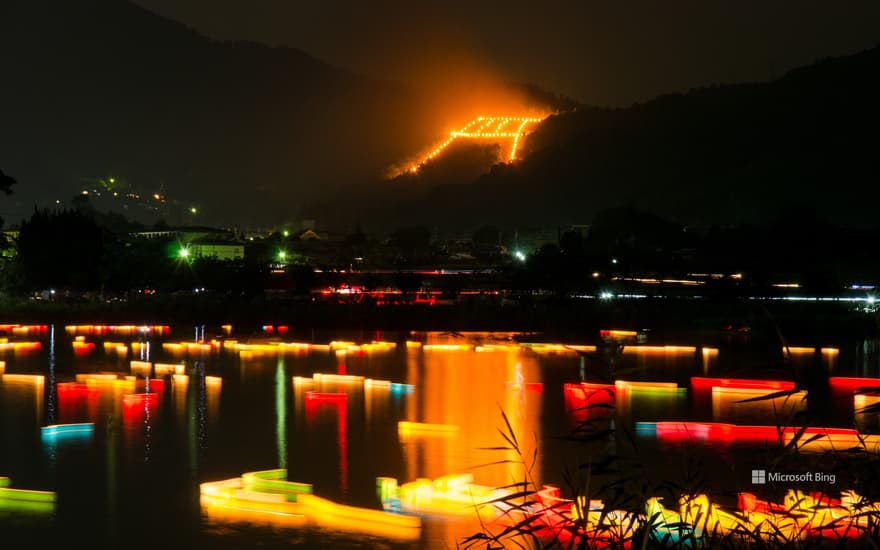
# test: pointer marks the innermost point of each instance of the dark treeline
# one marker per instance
(83, 250)
(800, 248)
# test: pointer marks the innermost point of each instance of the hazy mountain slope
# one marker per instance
(723, 154)
(92, 88)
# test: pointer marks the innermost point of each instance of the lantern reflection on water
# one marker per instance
(35, 379)
(339, 401)
(138, 411)
(122, 330)
(118, 348)
(165, 369)
(647, 399)
(821, 440)
(745, 404)
(451, 495)
(707, 432)
(274, 481)
(397, 388)
(658, 387)
(585, 400)
(269, 497)
(151, 385)
(179, 348)
(447, 347)
(849, 385)
(141, 368)
(379, 384)
(101, 381)
(81, 348)
(508, 348)
(76, 400)
(799, 516)
(337, 378)
(733, 398)
(28, 382)
(59, 434)
(406, 430)
(376, 401)
(24, 330)
(700, 384)
(294, 346)
(815, 439)
(863, 401)
(19, 347)
(660, 349)
(545, 349)
(64, 430)
(710, 357)
(24, 500)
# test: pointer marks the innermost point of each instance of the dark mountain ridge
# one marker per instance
(726, 154)
(248, 133)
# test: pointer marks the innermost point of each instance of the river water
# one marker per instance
(135, 481)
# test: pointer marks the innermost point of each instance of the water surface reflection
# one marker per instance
(194, 413)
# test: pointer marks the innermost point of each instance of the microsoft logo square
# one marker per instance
(759, 477)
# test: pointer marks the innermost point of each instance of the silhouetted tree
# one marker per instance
(486, 241)
(411, 241)
(62, 248)
(355, 245)
(572, 244)
(136, 264)
(6, 183)
(81, 203)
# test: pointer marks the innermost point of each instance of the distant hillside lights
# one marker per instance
(482, 132)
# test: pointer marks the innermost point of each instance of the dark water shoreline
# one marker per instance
(566, 320)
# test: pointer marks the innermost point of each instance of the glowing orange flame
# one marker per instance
(483, 131)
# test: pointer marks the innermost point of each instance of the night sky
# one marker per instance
(608, 53)
(190, 100)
